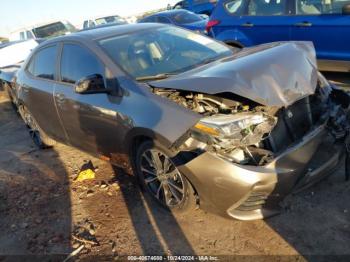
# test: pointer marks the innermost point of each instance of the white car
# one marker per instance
(13, 53)
(46, 30)
(96, 22)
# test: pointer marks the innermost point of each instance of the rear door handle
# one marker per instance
(60, 97)
(25, 88)
(303, 24)
(248, 24)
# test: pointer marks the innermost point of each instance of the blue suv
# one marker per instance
(326, 23)
(197, 6)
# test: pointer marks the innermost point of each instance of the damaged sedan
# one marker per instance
(233, 131)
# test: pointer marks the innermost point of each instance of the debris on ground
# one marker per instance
(87, 172)
(84, 233)
(74, 253)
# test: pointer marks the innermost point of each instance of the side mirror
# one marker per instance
(346, 9)
(92, 84)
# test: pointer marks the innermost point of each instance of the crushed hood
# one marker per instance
(275, 74)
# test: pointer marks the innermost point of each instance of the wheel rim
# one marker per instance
(162, 178)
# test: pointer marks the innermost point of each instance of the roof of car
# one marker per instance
(104, 32)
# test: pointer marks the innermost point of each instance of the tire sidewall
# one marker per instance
(189, 201)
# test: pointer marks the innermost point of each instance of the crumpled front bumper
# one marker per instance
(253, 192)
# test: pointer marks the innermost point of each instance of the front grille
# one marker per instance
(255, 201)
(294, 122)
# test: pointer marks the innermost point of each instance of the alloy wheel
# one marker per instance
(162, 178)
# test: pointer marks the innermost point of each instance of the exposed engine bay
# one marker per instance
(247, 133)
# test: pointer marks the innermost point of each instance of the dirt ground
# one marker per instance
(46, 214)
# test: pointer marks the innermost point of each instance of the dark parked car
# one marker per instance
(252, 22)
(197, 6)
(181, 18)
(201, 123)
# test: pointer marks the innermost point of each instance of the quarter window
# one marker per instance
(318, 7)
(267, 7)
(77, 63)
(43, 63)
(233, 6)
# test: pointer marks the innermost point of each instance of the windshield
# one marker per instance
(54, 29)
(110, 19)
(186, 18)
(164, 50)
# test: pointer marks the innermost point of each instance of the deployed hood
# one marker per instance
(276, 74)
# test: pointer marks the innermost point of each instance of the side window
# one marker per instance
(29, 35)
(149, 20)
(77, 63)
(43, 63)
(185, 4)
(163, 20)
(234, 6)
(22, 36)
(85, 25)
(267, 7)
(318, 7)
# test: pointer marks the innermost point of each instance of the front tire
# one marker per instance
(160, 177)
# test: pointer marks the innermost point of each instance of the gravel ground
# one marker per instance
(45, 212)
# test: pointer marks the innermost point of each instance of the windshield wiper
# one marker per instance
(155, 77)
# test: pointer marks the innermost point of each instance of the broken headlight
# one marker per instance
(235, 136)
(242, 128)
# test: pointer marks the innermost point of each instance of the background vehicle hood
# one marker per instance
(275, 74)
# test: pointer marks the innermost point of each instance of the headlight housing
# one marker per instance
(241, 129)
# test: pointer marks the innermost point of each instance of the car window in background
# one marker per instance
(54, 29)
(163, 20)
(77, 63)
(267, 7)
(109, 20)
(317, 7)
(162, 51)
(186, 18)
(43, 63)
(233, 6)
(150, 19)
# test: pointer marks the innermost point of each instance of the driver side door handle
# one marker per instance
(303, 24)
(248, 24)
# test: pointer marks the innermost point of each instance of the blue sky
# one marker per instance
(20, 13)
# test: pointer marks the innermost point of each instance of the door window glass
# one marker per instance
(77, 63)
(233, 6)
(317, 7)
(43, 63)
(267, 7)
(163, 20)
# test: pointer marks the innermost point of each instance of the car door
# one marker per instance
(322, 22)
(89, 119)
(265, 21)
(38, 86)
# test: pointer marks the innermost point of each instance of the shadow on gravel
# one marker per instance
(156, 228)
(35, 205)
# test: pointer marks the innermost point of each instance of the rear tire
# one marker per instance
(39, 137)
(159, 176)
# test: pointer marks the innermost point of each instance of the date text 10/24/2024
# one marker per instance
(173, 258)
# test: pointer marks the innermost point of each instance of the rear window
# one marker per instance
(318, 7)
(52, 30)
(186, 18)
(234, 6)
(110, 19)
